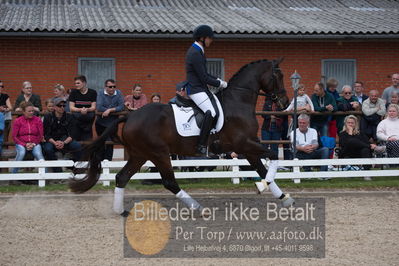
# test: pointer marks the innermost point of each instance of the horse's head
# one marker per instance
(272, 83)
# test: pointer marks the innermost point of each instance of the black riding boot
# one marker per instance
(204, 134)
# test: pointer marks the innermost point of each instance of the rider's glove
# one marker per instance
(223, 84)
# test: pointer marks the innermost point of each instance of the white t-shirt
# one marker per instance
(303, 139)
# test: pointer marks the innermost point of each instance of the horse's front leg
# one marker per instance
(254, 158)
(256, 151)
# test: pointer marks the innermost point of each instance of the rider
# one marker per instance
(198, 79)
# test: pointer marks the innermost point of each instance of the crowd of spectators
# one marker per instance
(375, 130)
(70, 117)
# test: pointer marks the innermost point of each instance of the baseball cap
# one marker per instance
(59, 100)
(181, 86)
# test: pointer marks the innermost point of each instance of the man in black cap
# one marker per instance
(59, 128)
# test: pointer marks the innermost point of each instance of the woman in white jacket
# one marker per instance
(388, 130)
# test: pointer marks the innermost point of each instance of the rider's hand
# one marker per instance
(223, 84)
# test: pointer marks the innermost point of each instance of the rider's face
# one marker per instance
(208, 41)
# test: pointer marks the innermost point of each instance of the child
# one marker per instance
(49, 105)
(304, 103)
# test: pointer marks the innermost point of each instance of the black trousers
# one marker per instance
(109, 149)
(364, 152)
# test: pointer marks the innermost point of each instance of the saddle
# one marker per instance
(198, 113)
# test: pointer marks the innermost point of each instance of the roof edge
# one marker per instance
(107, 35)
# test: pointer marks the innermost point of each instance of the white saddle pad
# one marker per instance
(185, 121)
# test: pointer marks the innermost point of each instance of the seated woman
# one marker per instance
(27, 96)
(27, 132)
(137, 99)
(388, 130)
(353, 143)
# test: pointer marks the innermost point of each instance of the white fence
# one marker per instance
(226, 169)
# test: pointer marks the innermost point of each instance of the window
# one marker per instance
(215, 67)
(343, 70)
(97, 71)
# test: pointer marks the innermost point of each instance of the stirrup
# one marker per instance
(262, 186)
(287, 201)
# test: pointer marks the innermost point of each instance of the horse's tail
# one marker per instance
(93, 154)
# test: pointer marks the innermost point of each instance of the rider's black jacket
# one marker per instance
(196, 72)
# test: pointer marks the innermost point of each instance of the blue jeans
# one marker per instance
(321, 153)
(21, 151)
(49, 151)
(271, 135)
(73, 147)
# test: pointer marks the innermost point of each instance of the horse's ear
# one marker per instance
(279, 60)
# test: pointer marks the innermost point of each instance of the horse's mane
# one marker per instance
(234, 77)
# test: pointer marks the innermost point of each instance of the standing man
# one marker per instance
(347, 102)
(358, 89)
(59, 128)
(109, 101)
(373, 111)
(198, 79)
(307, 144)
(386, 95)
(82, 103)
(322, 102)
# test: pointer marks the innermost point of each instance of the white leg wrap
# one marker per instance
(118, 200)
(275, 190)
(188, 200)
(271, 172)
(262, 186)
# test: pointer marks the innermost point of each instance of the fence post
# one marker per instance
(296, 171)
(42, 172)
(106, 172)
(236, 169)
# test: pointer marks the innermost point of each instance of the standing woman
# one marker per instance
(198, 78)
(27, 132)
(27, 96)
(5, 108)
(388, 130)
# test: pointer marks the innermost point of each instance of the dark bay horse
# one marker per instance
(150, 134)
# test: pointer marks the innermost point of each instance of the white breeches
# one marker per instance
(202, 100)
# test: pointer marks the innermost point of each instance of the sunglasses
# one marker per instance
(61, 105)
(112, 87)
(347, 92)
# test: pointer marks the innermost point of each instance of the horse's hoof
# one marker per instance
(262, 186)
(125, 213)
(288, 201)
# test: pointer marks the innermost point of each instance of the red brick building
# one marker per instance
(45, 42)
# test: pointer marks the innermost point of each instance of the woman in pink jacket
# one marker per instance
(137, 99)
(27, 132)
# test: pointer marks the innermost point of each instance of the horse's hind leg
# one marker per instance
(122, 178)
(164, 167)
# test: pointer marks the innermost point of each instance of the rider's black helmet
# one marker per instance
(202, 31)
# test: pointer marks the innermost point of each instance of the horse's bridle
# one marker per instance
(274, 84)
